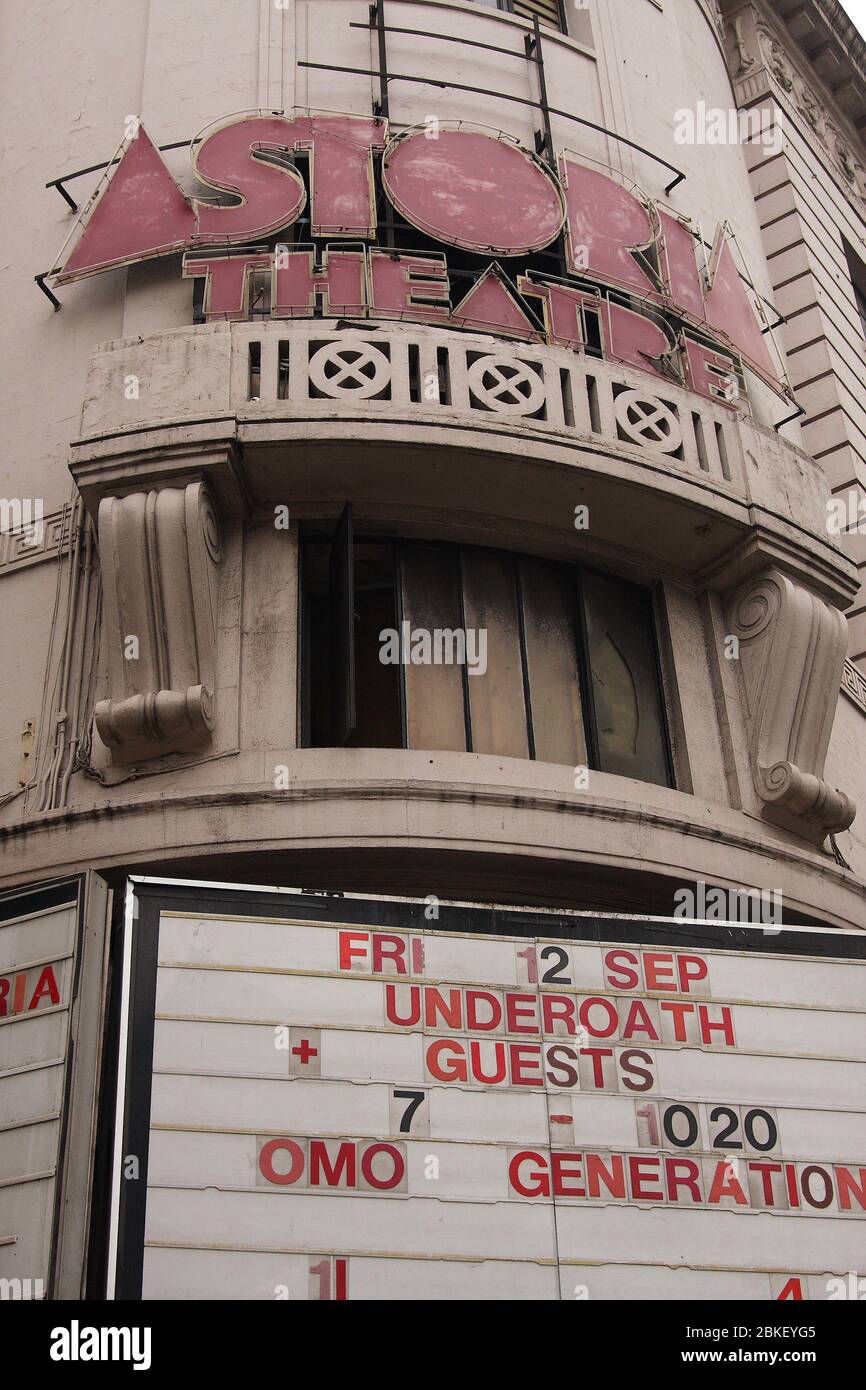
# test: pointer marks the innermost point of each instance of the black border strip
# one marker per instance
(501, 920)
(40, 897)
(139, 1078)
(103, 1157)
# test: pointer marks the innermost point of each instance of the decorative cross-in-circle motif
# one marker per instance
(357, 370)
(647, 420)
(506, 385)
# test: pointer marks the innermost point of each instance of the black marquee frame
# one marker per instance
(153, 896)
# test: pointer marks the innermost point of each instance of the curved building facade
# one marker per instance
(436, 491)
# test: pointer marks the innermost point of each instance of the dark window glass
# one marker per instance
(857, 271)
(315, 650)
(547, 592)
(624, 689)
(435, 693)
(497, 712)
(377, 683)
(349, 696)
(549, 11)
(860, 298)
(458, 648)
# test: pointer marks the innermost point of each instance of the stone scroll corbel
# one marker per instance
(159, 553)
(792, 651)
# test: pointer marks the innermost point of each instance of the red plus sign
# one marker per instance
(305, 1052)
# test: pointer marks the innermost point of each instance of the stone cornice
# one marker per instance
(764, 57)
(693, 823)
(838, 22)
(831, 45)
(818, 569)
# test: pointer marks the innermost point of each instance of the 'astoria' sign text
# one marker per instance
(631, 285)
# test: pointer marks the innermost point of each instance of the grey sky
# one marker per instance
(856, 10)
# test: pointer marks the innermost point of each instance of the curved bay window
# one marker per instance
(416, 644)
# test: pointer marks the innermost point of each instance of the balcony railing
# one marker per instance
(273, 378)
(299, 367)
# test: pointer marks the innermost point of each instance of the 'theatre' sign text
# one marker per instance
(631, 285)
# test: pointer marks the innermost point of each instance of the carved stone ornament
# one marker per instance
(745, 60)
(159, 552)
(843, 155)
(792, 653)
(811, 108)
(746, 48)
(775, 59)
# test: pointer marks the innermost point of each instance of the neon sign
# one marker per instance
(631, 285)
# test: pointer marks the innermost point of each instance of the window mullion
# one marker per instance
(585, 675)
(524, 664)
(464, 672)
(398, 609)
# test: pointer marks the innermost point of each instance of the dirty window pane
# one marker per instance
(434, 692)
(625, 690)
(551, 660)
(497, 711)
(377, 684)
(378, 721)
(549, 11)
(316, 652)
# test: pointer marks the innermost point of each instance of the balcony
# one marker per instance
(493, 440)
